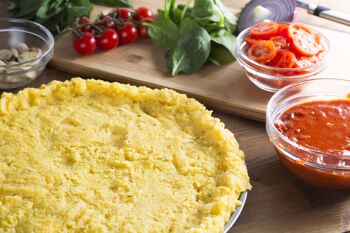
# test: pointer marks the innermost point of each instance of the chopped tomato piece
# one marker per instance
(283, 59)
(264, 30)
(262, 51)
(283, 30)
(250, 40)
(304, 40)
(306, 62)
(280, 42)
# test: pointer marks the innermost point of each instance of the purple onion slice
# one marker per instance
(258, 10)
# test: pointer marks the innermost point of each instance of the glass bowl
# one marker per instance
(320, 169)
(13, 32)
(271, 78)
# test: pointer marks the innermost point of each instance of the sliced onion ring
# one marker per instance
(280, 11)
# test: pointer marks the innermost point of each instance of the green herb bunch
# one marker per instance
(194, 34)
(56, 15)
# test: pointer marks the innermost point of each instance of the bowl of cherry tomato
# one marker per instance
(274, 55)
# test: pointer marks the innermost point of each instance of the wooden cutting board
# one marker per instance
(224, 88)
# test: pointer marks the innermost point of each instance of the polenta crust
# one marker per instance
(92, 156)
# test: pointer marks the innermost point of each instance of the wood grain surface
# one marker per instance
(279, 202)
(225, 88)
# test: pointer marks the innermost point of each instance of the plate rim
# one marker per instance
(235, 215)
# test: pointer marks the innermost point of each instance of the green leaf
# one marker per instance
(163, 31)
(49, 9)
(169, 9)
(191, 50)
(225, 39)
(25, 9)
(78, 8)
(219, 55)
(206, 12)
(230, 19)
(114, 3)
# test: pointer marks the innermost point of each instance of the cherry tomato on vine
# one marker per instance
(128, 33)
(86, 44)
(143, 13)
(143, 30)
(84, 28)
(125, 13)
(108, 40)
(107, 22)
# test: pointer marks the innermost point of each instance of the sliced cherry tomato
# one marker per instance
(283, 30)
(264, 30)
(304, 40)
(143, 13)
(283, 59)
(108, 40)
(86, 44)
(250, 40)
(128, 33)
(281, 42)
(262, 51)
(306, 62)
(125, 13)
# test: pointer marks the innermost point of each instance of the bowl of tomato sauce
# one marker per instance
(274, 55)
(308, 124)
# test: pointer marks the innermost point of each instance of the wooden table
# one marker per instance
(278, 202)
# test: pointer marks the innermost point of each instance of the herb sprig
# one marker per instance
(194, 34)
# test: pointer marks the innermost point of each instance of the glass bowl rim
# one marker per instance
(49, 41)
(270, 126)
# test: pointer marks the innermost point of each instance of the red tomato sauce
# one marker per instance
(324, 128)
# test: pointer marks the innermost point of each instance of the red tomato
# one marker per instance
(304, 40)
(108, 40)
(84, 28)
(125, 13)
(143, 13)
(264, 30)
(86, 44)
(283, 30)
(280, 42)
(108, 22)
(143, 30)
(250, 40)
(283, 59)
(128, 33)
(262, 51)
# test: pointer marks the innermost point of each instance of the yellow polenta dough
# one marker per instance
(93, 156)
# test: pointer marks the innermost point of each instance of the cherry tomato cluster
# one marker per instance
(122, 26)
(285, 46)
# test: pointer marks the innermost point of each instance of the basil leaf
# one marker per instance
(224, 38)
(114, 3)
(163, 31)
(220, 55)
(78, 8)
(192, 48)
(230, 19)
(206, 12)
(25, 9)
(49, 9)
(169, 9)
